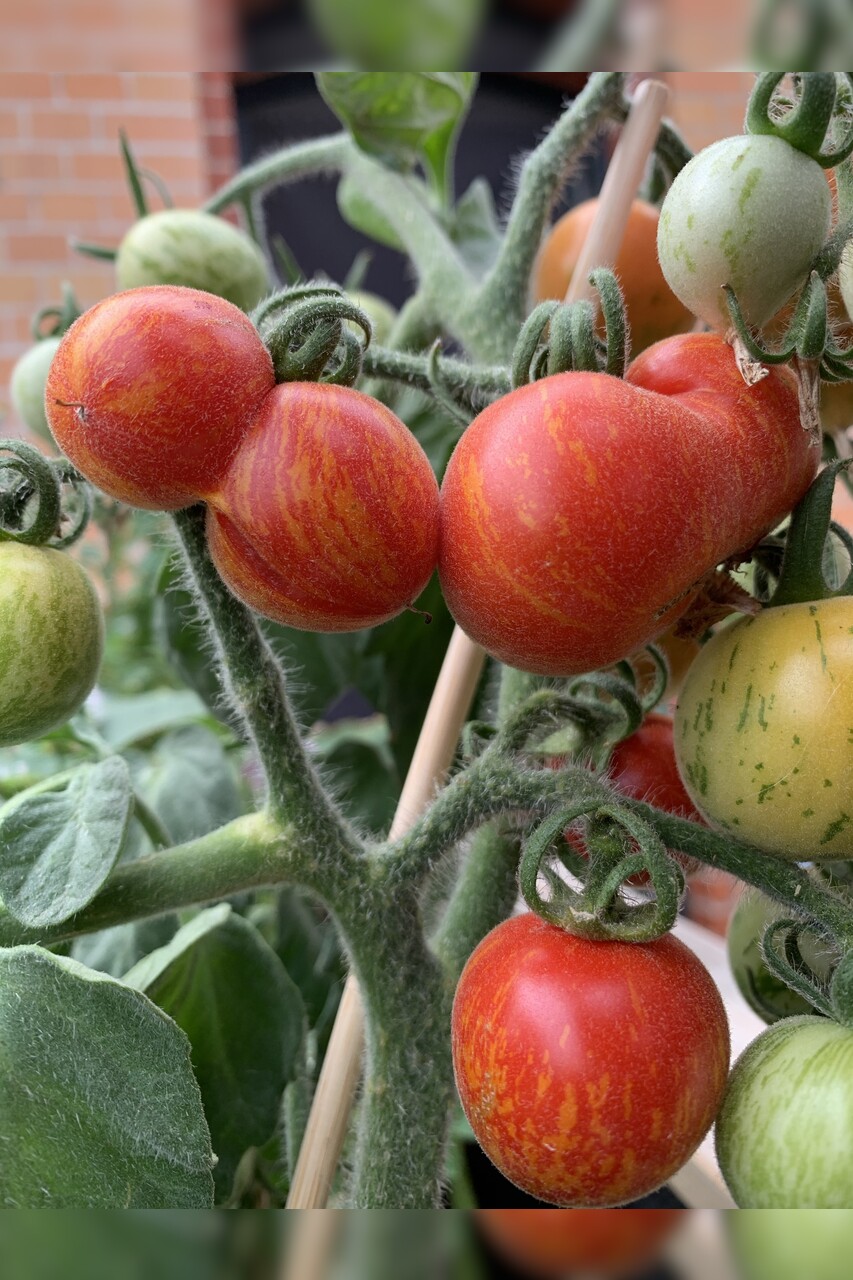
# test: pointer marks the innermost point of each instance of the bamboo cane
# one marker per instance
(448, 709)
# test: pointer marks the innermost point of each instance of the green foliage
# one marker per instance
(60, 839)
(98, 1105)
(245, 1020)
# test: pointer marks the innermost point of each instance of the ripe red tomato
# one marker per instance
(581, 513)
(151, 391)
(589, 1071)
(654, 312)
(552, 1242)
(328, 517)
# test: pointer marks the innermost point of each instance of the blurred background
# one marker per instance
(543, 35)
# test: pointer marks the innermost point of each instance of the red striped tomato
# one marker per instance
(581, 513)
(589, 1071)
(328, 517)
(151, 391)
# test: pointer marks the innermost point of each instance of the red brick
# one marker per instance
(28, 164)
(33, 247)
(151, 86)
(20, 85)
(166, 129)
(71, 206)
(20, 289)
(94, 86)
(61, 125)
(104, 167)
(13, 207)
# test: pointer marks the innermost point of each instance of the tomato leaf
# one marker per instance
(60, 839)
(190, 782)
(402, 117)
(98, 1104)
(474, 227)
(244, 1018)
(116, 950)
(125, 720)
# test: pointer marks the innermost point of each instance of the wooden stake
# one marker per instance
(448, 709)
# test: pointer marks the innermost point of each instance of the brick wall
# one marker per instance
(61, 175)
(709, 105)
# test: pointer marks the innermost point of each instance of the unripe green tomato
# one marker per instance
(379, 312)
(766, 994)
(784, 1134)
(51, 640)
(764, 726)
(751, 212)
(27, 386)
(192, 248)
(773, 1244)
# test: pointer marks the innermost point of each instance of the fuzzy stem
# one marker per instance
(475, 383)
(495, 314)
(301, 160)
(485, 894)
(254, 682)
(250, 852)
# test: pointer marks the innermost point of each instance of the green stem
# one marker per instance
(485, 894)
(254, 681)
(318, 155)
(477, 384)
(150, 823)
(251, 852)
(495, 314)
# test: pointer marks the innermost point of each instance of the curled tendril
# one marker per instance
(620, 845)
(30, 503)
(560, 338)
(58, 318)
(817, 122)
(305, 330)
(781, 952)
(604, 706)
(651, 696)
(809, 335)
(442, 388)
(77, 512)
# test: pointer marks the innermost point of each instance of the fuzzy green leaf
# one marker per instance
(245, 1021)
(60, 839)
(98, 1105)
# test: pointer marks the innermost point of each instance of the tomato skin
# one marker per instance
(170, 379)
(654, 312)
(774, 1244)
(784, 1134)
(751, 212)
(560, 551)
(766, 994)
(51, 640)
(589, 1071)
(196, 249)
(763, 730)
(551, 1242)
(328, 517)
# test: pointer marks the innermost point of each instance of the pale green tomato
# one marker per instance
(51, 640)
(195, 249)
(784, 1133)
(27, 386)
(379, 312)
(766, 994)
(764, 730)
(750, 212)
(773, 1244)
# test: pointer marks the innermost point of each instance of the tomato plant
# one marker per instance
(763, 991)
(552, 1242)
(151, 391)
(51, 640)
(328, 515)
(192, 248)
(751, 212)
(589, 1071)
(763, 730)
(654, 312)
(533, 565)
(785, 1130)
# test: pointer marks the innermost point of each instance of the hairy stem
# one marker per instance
(477, 384)
(254, 682)
(300, 160)
(485, 894)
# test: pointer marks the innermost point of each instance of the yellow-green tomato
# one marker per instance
(764, 730)
(195, 249)
(774, 1244)
(750, 212)
(51, 640)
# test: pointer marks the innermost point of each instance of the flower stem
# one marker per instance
(301, 160)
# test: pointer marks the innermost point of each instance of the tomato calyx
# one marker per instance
(306, 333)
(802, 577)
(561, 338)
(31, 498)
(783, 956)
(816, 122)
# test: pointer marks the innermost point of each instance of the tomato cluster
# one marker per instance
(322, 506)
